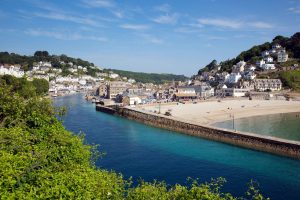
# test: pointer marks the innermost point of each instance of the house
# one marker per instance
(260, 63)
(250, 75)
(113, 76)
(282, 56)
(131, 80)
(276, 46)
(268, 59)
(102, 90)
(131, 100)
(185, 93)
(241, 66)
(233, 92)
(265, 53)
(203, 90)
(234, 78)
(267, 84)
(116, 87)
(268, 66)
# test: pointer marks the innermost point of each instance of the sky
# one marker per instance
(172, 36)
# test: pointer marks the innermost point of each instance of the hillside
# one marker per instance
(64, 63)
(292, 46)
(149, 77)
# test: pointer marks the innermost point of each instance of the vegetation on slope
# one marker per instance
(27, 62)
(292, 46)
(149, 77)
(291, 79)
(40, 159)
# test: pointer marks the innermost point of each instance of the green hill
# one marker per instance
(61, 61)
(292, 46)
(149, 77)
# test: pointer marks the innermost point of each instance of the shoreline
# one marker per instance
(269, 144)
(209, 113)
(198, 113)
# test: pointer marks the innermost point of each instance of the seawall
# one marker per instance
(248, 140)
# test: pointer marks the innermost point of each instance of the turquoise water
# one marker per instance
(284, 125)
(150, 153)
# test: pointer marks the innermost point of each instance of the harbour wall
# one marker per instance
(248, 140)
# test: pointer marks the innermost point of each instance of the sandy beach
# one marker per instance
(210, 112)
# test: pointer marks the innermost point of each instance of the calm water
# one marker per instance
(285, 125)
(141, 151)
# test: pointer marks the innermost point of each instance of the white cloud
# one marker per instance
(167, 19)
(152, 39)
(136, 27)
(118, 14)
(233, 24)
(98, 3)
(224, 23)
(261, 25)
(294, 10)
(63, 35)
(69, 18)
(163, 8)
(186, 30)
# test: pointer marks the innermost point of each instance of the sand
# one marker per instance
(208, 113)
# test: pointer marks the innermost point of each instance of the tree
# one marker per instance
(41, 86)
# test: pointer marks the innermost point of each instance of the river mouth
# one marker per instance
(283, 125)
(137, 150)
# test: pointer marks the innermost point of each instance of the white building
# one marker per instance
(232, 92)
(276, 46)
(113, 76)
(268, 66)
(268, 59)
(234, 78)
(282, 56)
(267, 84)
(11, 70)
(260, 63)
(265, 53)
(131, 80)
(131, 100)
(250, 75)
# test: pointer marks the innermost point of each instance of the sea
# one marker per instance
(144, 152)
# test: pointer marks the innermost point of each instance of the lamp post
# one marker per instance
(233, 127)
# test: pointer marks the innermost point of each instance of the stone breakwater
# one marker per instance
(248, 140)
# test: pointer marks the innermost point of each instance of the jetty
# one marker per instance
(268, 144)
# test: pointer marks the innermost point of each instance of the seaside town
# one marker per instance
(110, 88)
(138, 100)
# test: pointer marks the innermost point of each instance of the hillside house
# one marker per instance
(282, 56)
(267, 84)
(185, 93)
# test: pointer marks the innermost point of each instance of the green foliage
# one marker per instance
(253, 54)
(41, 85)
(211, 66)
(149, 77)
(291, 79)
(40, 159)
(27, 61)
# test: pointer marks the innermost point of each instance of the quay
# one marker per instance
(268, 144)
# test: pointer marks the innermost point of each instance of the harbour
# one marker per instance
(151, 153)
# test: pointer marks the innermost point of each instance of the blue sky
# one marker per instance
(175, 36)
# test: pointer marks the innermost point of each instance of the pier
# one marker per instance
(268, 144)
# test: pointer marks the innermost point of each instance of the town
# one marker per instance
(110, 88)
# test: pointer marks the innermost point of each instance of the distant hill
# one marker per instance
(62, 62)
(292, 46)
(149, 77)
